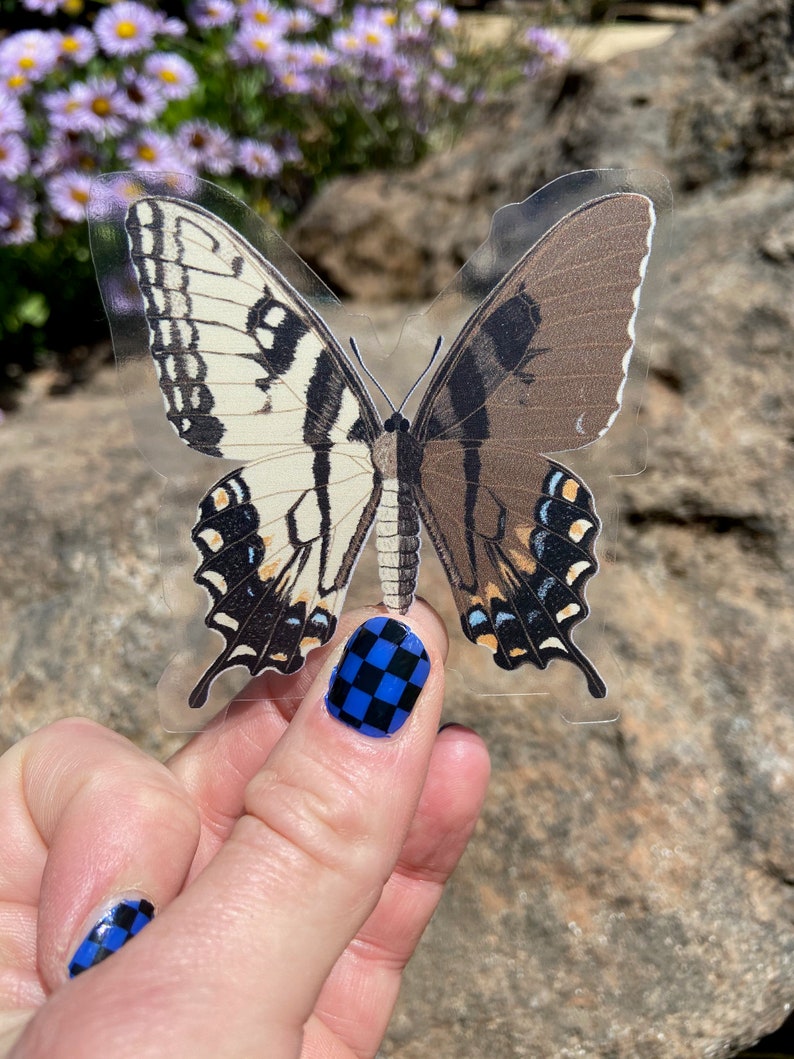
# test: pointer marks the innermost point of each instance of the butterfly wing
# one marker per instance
(539, 367)
(249, 371)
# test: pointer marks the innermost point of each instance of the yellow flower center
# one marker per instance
(16, 81)
(390, 18)
(101, 107)
(69, 44)
(78, 195)
(27, 62)
(372, 37)
(146, 153)
(169, 76)
(72, 7)
(126, 30)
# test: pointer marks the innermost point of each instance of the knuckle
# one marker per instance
(326, 822)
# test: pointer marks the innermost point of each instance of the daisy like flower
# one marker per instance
(263, 14)
(27, 56)
(145, 98)
(153, 152)
(258, 159)
(257, 44)
(301, 20)
(17, 216)
(324, 8)
(95, 106)
(430, 11)
(14, 156)
(210, 13)
(175, 76)
(206, 146)
(46, 7)
(63, 152)
(77, 45)
(170, 27)
(292, 81)
(12, 116)
(68, 194)
(550, 46)
(126, 28)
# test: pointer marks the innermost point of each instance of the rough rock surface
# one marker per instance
(629, 891)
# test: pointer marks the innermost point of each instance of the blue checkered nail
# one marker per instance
(379, 677)
(113, 930)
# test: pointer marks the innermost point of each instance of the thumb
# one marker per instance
(255, 936)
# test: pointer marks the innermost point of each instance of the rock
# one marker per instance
(628, 892)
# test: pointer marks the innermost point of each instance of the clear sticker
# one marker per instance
(523, 382)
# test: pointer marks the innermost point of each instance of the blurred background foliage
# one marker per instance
(269, 99)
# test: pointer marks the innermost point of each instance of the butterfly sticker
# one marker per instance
(249, 371)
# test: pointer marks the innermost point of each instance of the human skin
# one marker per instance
(293, 862)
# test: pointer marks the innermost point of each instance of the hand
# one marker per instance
(292, 861)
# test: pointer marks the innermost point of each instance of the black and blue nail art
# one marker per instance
(379, 677)
(113, 930)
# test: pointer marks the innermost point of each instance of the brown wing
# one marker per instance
(561, 322)
(518, 571)
(539, 367)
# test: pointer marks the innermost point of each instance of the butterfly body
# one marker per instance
(397, 457)
(249, 371)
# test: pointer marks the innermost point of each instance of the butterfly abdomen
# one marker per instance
(396, 456)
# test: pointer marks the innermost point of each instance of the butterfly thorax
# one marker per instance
(397, 457)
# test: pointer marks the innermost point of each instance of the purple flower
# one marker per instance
(145, 98)
(169, 27)
(12, 116)
(301, 20)
(265, 15)
(209, 13)
(444, 58)
(549, 45)
(68, 194)
(175, 76)
(17, 214)
(78, 45)
(126, 28)
(293, 82)
(256, 43)
(62, 152)
(258, 159)
(96, 106)
(371, 33)
(14, 157)
(26, 57)
(206, 146)
(324, 8)
(318, 57)
(47, 7)
(430, 11)
(153, 152)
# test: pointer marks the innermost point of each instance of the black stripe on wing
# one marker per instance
(265, 624)
(519, 562)
(542, 594)
(242, 359)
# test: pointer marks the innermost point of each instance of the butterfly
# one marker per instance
(250, 372)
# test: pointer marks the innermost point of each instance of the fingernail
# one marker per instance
(379, 677)
(114, 929)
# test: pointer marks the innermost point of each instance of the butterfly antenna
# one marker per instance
(431, 362)
(368, 373)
